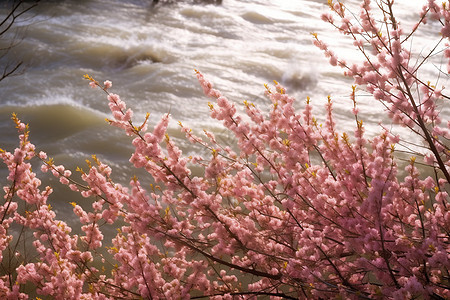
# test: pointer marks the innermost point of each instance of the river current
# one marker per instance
(150, 52)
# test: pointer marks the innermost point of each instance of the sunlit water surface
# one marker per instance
(150, 53)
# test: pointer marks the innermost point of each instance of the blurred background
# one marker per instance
(149, 50)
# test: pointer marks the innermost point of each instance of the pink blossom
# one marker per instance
(107, 84)
(293, 207)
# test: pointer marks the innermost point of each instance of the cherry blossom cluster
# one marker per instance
(390, 72)
(293, 208)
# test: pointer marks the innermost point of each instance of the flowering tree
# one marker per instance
(295, 210)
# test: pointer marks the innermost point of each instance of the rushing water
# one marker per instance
(150, 53)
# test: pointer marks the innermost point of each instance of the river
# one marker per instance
(150, 52)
